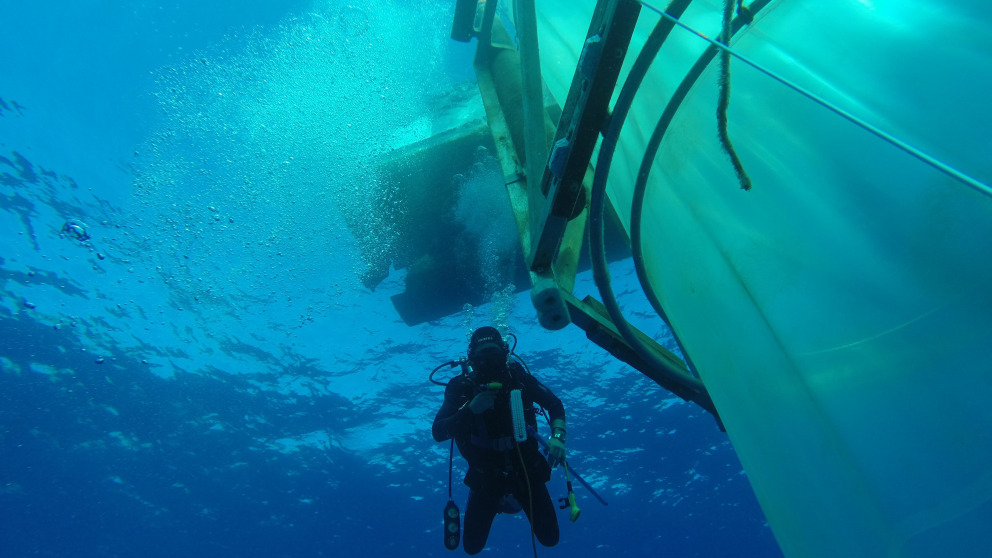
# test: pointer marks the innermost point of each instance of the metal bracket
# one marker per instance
(583, 118)
(590, 315)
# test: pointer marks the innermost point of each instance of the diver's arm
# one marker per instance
(556, 411)
(545, 398)
(453, 416)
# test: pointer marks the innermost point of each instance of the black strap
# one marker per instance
(505, 443)
(451, 453)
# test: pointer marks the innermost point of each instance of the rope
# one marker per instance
(724, 103)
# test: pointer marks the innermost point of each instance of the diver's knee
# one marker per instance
(548, 539)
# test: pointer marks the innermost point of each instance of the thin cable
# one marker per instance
(973, 183)
(530, 499)
(451, 464)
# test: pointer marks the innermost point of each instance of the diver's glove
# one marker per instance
(556, 444)
(483, 401)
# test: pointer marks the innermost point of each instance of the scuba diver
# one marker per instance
(507, 471)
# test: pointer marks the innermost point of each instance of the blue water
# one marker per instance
(202, 373)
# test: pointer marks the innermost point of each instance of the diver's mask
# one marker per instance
(487, 351)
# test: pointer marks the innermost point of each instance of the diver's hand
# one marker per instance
(556, 452)
(483, 401)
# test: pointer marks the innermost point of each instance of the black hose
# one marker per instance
(452, 363)
(601, 274)
(607, 150)
(651, 151)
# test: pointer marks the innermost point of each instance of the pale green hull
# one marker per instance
(840, 313)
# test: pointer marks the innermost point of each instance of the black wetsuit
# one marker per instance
(486, 442)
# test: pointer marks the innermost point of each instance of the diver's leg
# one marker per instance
(540, 511)
(479, 514)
